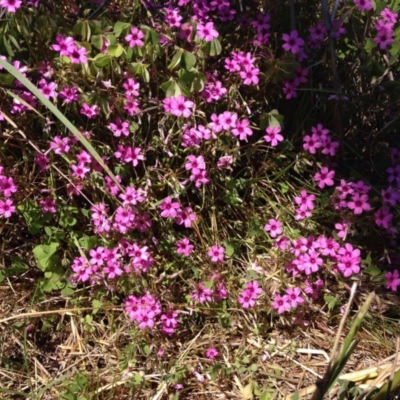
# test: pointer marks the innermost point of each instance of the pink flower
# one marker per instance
(273, 135)
(169, 208)
(7, 186)
(383, 217)
(202, 294)
(78, 55)
(11, 5)
(246, 300)
(250, 75)
(363, 5)
(207, 31)
(274, 228)
(349, 266)
(185, 217)
(113, 269)
(311, 144)
(228, 120)
(254, 289)
(324, 177)
(310, 262)
(90, 111)
(294, 296)
(48, 205)
(343, 229)
(195, 164)
(212, 353)
(49, 89)
(119, 127)
(216, 253)
(359, 203)
(97, 255)
(134, 39)
(281, 303)
(64, 45)
(178, 106)
(392, 280)
(305, 201)
(129, 154)
(60, 145)
(302, 214)
(80, 170)
(184, 247)
(225, 162)
(7, 208)
(242, 130)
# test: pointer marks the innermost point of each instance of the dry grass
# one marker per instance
(63, 348)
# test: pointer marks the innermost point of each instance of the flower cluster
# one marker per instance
(143, 310)
(290, 300)
(320, 139)
(207, 294)
(244, 64)
(178, 106)
(385, 28)
(7, 189)
(67, 47)
(250, 295)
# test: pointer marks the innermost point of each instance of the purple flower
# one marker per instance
(293, 42)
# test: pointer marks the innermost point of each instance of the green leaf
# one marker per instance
(275, 119)
(67, 218)
(154, 37)
(188, 60)
(45, 255)
(284, 187)
(173, 90)
(253, 367)
(96, 305)
(176, 59)
(229, 249)
(121, 27)
(215, 48)
(331, 302)
(88, 242)
(115, 50)
(199, 81)
(67, 291)
(97, 41)
(372, 270)
(145, 74)
(369, 45)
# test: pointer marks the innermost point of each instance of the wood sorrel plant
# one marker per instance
(184, 128)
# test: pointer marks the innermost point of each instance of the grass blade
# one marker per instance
(65, 121)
